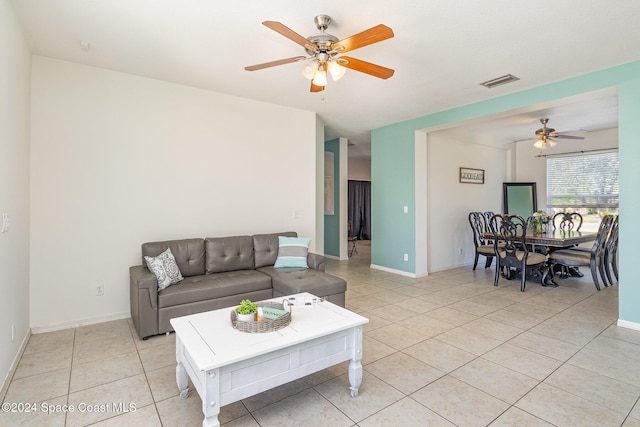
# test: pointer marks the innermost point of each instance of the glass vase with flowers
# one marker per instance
(539, 221)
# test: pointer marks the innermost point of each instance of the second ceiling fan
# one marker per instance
(545, 135)
(325, 52)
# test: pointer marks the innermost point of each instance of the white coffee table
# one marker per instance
(226, 365)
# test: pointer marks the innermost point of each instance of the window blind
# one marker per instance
(583, 181)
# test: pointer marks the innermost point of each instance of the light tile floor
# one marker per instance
(449, 349)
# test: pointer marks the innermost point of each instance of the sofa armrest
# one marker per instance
(143, 279)
(143, 294)
(315, 261)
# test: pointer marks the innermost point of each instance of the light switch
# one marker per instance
(5, 223)
(406, 209)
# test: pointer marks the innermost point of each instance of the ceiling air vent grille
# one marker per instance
(500, 81)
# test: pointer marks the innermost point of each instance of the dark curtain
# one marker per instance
(360, 209)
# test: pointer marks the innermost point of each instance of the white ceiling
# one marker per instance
(441, 51)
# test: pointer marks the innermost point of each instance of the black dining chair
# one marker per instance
(482, 246)
(610, 260)
(594, 259)
(512, 254)
(567, 221)
(487, 220)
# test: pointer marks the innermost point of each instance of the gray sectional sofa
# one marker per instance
(219, 272)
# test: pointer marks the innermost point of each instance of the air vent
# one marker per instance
(500, 81)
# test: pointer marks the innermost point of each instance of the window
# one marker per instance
(586, 183)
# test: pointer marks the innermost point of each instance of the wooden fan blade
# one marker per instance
(568, 137)
(274, 63)
(365, 67)
(367, 37)
(315, 88)
(288, 33)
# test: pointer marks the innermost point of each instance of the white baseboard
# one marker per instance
(451, 267)
(413, 275)
(394, 271)
(77, 323)
(629, 325)
(14, 365)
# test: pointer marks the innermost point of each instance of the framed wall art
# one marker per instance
(471, 176)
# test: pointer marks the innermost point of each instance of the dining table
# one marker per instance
(557, 238)
(552, 239)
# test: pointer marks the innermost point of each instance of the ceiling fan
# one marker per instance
(545, 134)
(325, 50)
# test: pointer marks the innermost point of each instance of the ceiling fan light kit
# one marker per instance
(324, 52)
(543, 143)
(320, 78)
(336, 70)
(309, 70)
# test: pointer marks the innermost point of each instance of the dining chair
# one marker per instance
(487, 220)
(512, 254)
(482, 246)
(567, 221)
(610, 260)
(487, 226)
(594, 259)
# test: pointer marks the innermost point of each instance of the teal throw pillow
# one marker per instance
(292, 252)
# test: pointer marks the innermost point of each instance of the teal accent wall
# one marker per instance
(392, 188)
(332, 222)
(393, 175)
(629, 143)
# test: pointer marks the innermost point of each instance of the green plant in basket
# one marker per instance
(247, 307)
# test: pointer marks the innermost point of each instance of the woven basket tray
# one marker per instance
(267, 325)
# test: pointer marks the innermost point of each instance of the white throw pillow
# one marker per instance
(165, 268)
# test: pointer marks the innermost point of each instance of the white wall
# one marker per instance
(319, 188)
(15, 72)
(530, 168)
(118, 160)
(359, 169)
(449, 201)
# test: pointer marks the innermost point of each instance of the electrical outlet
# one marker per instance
(459, 251)
(406, 257)
(99, 290)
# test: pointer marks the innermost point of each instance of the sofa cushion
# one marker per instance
(213, 286)
(266, 246)
(165, 269)
(189, 254)
(229, 254)
(292, 252)
(287, 281)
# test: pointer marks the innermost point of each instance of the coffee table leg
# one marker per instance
(183, 381)
(355, 366)
(182, 378)
(211, 400)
